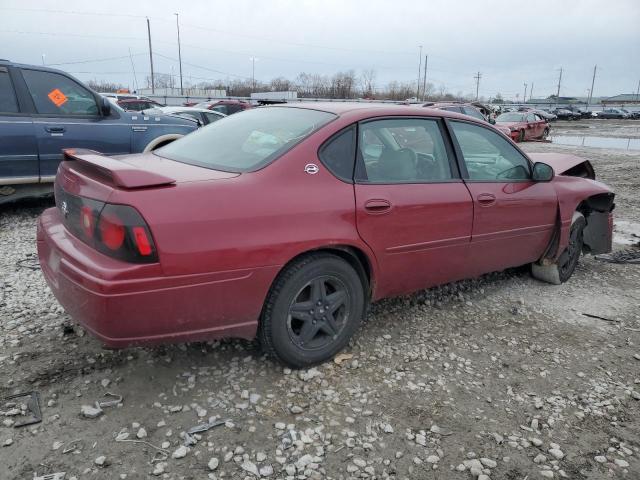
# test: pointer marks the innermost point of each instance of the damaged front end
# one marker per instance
(598, 233)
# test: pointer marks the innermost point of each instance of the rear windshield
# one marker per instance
(246, 141)
(510, 117)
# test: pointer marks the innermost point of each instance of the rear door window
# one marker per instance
(55, 94)
(402, 151)
(8, 102)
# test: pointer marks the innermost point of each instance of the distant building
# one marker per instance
(622, 99)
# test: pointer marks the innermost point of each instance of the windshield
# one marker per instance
(246, 141)
(510, 117)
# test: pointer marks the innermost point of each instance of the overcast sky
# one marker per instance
(508, 42)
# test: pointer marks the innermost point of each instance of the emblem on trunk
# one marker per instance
(64, 208)
(311, 168)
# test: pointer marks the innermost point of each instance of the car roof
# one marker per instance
(365, 109)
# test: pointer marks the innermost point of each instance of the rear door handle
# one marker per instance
(377, 206)
(55, 129)
(486, 199)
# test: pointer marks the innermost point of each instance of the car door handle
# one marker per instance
(486, 199)
(376, 206)
(55, 129)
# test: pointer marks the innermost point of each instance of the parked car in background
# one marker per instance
(635, 114)
(227, 107)
(466, 109)
(612, 113)
(549, 117)
(524, 125)
(202, 115)
(43, 111)
(138, 104)
(566, 114)
(285, 222)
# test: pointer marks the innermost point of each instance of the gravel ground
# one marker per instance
(500, 377)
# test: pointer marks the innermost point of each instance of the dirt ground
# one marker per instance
(501, 377)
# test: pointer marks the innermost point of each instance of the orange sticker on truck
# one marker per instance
(57, 97)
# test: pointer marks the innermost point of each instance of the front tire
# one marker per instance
(561, 270)
(545, 134)
(312, 310)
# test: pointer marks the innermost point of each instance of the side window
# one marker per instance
(407, 150)
(221, 109)
(473, 113)
(339, 154)
(55, 94)
(194, 115)
(531, 117)
(212, 117)
(8, 102)
(233, 108)
(488, 156)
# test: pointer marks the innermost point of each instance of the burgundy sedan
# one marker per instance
(285, 222)
(524, 125)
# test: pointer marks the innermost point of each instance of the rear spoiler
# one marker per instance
(122, 174)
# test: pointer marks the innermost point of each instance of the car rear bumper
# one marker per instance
(128, 304)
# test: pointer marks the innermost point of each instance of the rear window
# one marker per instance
(246, 141)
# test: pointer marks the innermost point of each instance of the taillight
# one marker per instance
(112, 232)
(118, 231)
(123, 234)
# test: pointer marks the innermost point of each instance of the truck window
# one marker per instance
(55, 94)
(8, 103)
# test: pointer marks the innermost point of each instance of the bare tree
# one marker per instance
(367, 82)
(104, 86)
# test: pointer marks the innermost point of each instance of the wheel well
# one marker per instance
(162, 144)
(353, 256)
(161, 141)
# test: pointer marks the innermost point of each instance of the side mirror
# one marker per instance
(105, 106)
(542, 172)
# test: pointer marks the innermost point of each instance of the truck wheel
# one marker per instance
(313, 308)
(561, 270)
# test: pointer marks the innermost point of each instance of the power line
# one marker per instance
(107, 59)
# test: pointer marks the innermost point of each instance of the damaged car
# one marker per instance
(285, 222)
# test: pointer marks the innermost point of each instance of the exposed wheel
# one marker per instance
(521, 136)
(560, 271)
(545, 134)
(312, 310)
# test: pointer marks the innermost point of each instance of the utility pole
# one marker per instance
(524, 99)
(153, 83)
(531, 92)
(593, 80)
(419, 70)
(135, 79)
(559, 82)
(179, 53)
(638, 91)
(424, 80)
(253, 74)
(43, 55)
(477, 77)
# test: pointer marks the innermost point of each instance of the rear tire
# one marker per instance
(312, 310)
(521, 136)
(560, 271)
